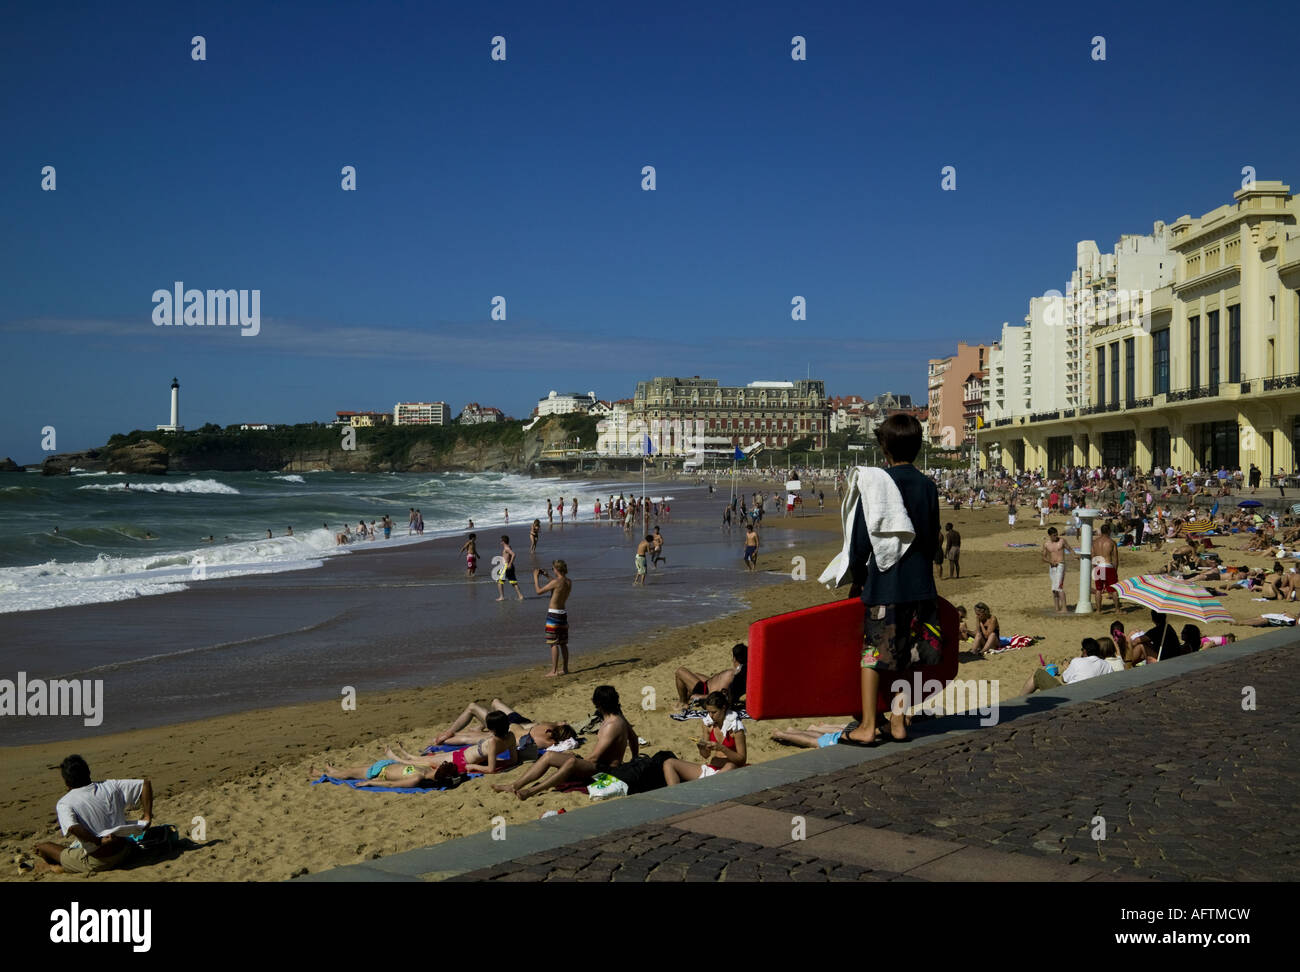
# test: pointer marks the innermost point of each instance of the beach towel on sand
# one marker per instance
(365, 785)
(1014, 643)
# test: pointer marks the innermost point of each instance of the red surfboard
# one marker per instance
(807, 663)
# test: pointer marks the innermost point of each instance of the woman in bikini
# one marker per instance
(719, 755)
(492, 754)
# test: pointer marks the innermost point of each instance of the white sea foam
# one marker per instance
(107, 578)
(290, 479)
(182, 486)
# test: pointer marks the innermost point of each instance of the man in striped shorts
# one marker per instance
(557, 617)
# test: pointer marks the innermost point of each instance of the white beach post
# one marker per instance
(1086, 516)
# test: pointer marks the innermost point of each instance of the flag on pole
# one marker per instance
(649, 446)
(739, 454)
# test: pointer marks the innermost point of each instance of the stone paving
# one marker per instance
(1191, 786)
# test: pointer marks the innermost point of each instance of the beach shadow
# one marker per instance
(170, 853)
(613, 663)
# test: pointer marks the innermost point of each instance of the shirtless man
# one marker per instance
(538, 735)
(615, 737)
(642, 549)
(470, 549)
(507, 571)
(410, 521)
(1054, 550)
(729, 680)
(550, 512)
(557, 618)
(952, 548)
(751, 547)
(574, 512)
(659, 548)
(1105, 553)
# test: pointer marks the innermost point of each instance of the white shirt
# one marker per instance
(99, 807)
(730, 723)
(1083, 668)
(1116, 664)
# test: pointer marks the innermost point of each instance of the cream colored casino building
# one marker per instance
(1205, 374)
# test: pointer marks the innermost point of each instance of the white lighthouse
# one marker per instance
(175, 425)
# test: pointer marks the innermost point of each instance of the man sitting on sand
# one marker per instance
(731, 680)
(495, 753)
(1089, 664)
(537, 735)
(615, 737)
(90, 812)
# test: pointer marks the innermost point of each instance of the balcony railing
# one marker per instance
(1001, 422)
(1282, 381)
(1190, 394)
(1044, 416)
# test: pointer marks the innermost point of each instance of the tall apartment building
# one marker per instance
(1043, 366)
(946, 388)
(1195, 362)
(421, 413)
(775, 413)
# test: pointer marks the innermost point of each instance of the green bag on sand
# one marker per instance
(603, 785)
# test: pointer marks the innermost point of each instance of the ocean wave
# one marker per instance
(115, 578)
(185, 486)
(290, 479)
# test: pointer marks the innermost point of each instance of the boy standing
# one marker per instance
(902, 612)
(507, 571)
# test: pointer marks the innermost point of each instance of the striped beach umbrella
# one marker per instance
(1295, 510)
(1197, 526)
(1168, 595)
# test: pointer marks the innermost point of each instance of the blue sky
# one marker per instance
(522, 178)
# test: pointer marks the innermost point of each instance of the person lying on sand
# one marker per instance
(401, 769)
(1281, 620)
(542, 735)
(730, 680)
(817, 736)
(613, 741)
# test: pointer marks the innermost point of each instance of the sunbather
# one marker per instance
(491, 755)
(987, 634)
(729, 680)
(719, 755)
(540, 735)
(817, 736)
(1281, 620)
(615, 738)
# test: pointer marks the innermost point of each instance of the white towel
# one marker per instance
(886, 517)
(563, 746)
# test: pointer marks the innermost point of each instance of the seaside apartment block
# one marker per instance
(421, 413)
(682, 411)
(947, 388)
(1190, 347)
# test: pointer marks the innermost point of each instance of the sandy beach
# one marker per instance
(247, 775)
